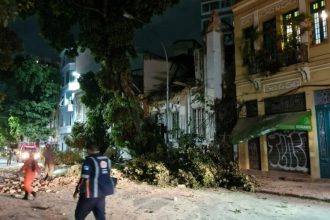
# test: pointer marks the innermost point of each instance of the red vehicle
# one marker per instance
(25, 150)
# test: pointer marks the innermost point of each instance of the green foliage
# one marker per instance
(129, 128)
(113, 120)
(31, 92)
(231, 177)
(9, 9)
(15, 127)
(205, 173)
(78, 137)
(114, 153)
(93, 94)
(69, 157)
(142, 169)
(186, 178)
(190, 165)
(89, 24)
(74, 170)
(289, 48)
(2, 140)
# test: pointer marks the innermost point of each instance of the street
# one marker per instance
(3, 163)
(142, 202)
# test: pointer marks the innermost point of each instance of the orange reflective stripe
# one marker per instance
(87, 189)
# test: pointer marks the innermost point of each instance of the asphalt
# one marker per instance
(274, 182)
(292, 184)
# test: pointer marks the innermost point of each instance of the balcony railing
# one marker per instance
(263, 61)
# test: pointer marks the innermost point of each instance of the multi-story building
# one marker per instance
(70, 107)
(194, 85)
(282, 54)
(181, 72)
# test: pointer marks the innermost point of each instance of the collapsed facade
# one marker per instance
(195, 82)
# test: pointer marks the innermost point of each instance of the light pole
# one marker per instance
(131, 17)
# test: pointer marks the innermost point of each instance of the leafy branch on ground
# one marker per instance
(189, 165)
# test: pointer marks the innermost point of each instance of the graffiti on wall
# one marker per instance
(288, 150)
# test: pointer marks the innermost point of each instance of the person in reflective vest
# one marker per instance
(94, 185)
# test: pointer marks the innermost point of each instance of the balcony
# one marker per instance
(267, 63)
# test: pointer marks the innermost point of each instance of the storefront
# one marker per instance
(286, 135)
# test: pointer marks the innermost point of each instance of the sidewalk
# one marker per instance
(292, 184)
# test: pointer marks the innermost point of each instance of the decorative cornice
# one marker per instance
(271, 10)
(247, 21)
(267, 12)
(305, 73)
(282, 85)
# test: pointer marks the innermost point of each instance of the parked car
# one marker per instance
(25, 150)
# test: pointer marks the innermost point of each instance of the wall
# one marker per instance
(299, 78)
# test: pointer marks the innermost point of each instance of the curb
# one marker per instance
(293, 195)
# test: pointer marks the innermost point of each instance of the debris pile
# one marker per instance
(14, 185)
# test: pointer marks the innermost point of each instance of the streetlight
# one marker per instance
(131, 17)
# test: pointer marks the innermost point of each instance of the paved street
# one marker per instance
(144, 202)
(3, 163)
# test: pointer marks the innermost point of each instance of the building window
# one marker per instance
(285, 104)
(175, 125)
(198, 122)
(269, 36)
(208, 7)
(291, 30)
(251, 108)
(319, 16)
(249, 38)
(225, 3)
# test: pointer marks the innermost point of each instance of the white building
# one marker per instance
(222, 7)
(70, 107)
(191, 99)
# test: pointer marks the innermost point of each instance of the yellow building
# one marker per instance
(283, 85)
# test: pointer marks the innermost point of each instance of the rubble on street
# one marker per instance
(13, 185)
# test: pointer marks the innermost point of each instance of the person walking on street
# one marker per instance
(94, 185)
(49, 162)
(30, 169)
(9, 157)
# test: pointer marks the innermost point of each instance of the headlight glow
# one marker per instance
(25, 155)
(36, 156)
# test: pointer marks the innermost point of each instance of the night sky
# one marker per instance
(179, 22)
(182, 22)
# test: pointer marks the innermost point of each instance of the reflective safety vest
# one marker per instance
(95, 172)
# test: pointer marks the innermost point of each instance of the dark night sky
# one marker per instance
(28, 30)
(179, 22)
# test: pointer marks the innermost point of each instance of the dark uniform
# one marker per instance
(95, 184)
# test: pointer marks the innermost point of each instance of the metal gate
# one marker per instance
(288, 151)
(323, 129)
(254, 153)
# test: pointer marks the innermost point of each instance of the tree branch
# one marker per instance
(89, 8)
